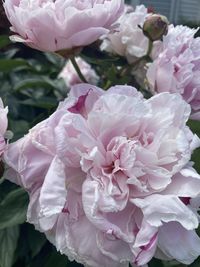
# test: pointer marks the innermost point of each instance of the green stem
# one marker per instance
(150, 47)
(145, 57)
(74, 63)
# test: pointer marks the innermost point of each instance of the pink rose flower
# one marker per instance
(177, 69)
(129, 40)
(56, 25)
(71, 77)
(108, 177)
(3, 126)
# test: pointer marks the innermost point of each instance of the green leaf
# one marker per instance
(7, 65)
(36, 240)
(13, 208)
(8, 241)
(4, 41)
(19, 128)
(196, 263)
(195, 159)
(55, 59)
(58, 260)
(42, 102)
(34, 83)
(172, 264)
(155, 263)
(194, 126)
(104, 61)
(8, 54)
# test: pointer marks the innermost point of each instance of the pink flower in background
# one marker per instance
(177, 69)
(61, 24)
(3, 126)
(109, 179)
(129, 40)
(71, 77)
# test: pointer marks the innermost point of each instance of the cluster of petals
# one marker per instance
(128, 40)
(71, 77)
(3, 126)
(177, 68)
(52, 25)
(109, 177)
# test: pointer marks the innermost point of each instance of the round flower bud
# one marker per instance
(155, 27)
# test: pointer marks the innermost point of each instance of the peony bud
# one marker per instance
(155, 27)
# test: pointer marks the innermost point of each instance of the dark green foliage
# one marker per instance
(8, 240)
(13, 208)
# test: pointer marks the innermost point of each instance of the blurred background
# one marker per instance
(30, 86)
(177, 11)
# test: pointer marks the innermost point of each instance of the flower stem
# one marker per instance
(74, 63)
(150, 47)
(146, 57)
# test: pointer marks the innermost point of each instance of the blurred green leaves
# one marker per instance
(7, 65)
(195, 127)
(13, 208)
(8, 241)
(56, 260)
(29, 85)
(4, 41)
(36, 241)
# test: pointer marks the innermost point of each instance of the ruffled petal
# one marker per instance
(179, 243)
(158, 209)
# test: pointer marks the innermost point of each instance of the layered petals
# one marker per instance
(61, 25)
(178, 243)
(108, 176)
(177, 68)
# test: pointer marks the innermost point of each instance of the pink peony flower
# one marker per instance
(71, 77)
(108, 177)
(49, 25)
(177, 69)
(129, 40)
(3, 126)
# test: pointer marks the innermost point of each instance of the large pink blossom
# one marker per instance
(52, 25)
(177, 69)
(109, 179)
(71, 77)
(3, 126)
